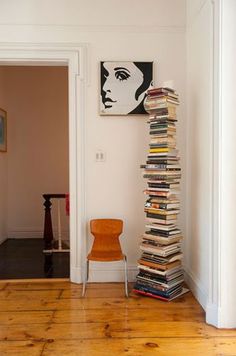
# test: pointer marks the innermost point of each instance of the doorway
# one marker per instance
(36, 101)
(72, 56)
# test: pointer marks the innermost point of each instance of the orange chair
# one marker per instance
(106, 245)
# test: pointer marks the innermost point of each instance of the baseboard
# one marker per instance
(220, 318)
(76, 275)
(30, 233)
(110, 272)
(212, 315)
(3, 240)
(195, 285)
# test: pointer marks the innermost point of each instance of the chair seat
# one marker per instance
(105, 256)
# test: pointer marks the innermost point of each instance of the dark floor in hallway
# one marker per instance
(24, 258)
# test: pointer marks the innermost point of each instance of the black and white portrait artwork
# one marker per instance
(124, 87)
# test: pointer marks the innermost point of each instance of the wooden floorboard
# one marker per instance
(50, 318)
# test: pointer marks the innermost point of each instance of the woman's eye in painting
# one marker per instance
(122, 75)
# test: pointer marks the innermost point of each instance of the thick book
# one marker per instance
(156, 116)
(157, 227)
(161, 177)
(153, 219)
(163, 200)
(159, 160)
(159, 271)
(159, 104)
(162, 206)
(163, 100)
(172, 185)
(162, 211)
(156, 215)
(161, 240)
(150, 294)
(164, 109)
(161, 90)
(164, 95)
(161, 166)
(159, 252)
(148, 256)
(160, 266)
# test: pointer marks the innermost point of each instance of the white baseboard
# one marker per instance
(76, 275)
(110, 272)
(222, 319)
(195, 285)
(212, 315)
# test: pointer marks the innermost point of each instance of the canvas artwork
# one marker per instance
(124, 87)
(3, 130)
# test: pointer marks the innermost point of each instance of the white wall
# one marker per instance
(3, 177)
(151, 31)
(36, 100)
(199, 146)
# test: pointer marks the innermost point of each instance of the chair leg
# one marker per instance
(126, 278)
(85, 279)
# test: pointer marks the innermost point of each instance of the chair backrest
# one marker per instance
(106, 244)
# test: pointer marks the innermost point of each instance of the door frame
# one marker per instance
(74, 57)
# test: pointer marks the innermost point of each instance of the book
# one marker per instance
(161, 90)
(156, 227)
(150, 294)
(160, 266)
(155, 220)
(159, 271)
(158, 259)
(161, 240)
(160, 252)
(163, 212)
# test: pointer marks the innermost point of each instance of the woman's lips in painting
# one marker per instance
(108, 102)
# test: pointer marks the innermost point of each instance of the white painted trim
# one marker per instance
(111, 272)
(213, 303)
(75, 274)
(105, 274)
(194, 284)
(212, 314)
(74, 55)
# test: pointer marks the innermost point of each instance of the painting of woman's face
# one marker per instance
(124, 86)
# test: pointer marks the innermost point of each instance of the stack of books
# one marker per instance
(160, 268)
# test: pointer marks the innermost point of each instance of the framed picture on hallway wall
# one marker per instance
(3, 130)
(123, 87)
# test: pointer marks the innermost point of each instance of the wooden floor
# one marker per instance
(50, 318)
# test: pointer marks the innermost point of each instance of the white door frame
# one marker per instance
(73, 56)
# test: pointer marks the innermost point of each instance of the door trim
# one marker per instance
(73, 56)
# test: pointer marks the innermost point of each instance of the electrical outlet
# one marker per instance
(100, 156)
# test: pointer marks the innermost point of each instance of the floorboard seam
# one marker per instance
(119, 338)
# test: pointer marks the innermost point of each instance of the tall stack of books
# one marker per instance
(160, 269)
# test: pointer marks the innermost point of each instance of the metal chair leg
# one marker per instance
(85, 279)
(126, 278)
